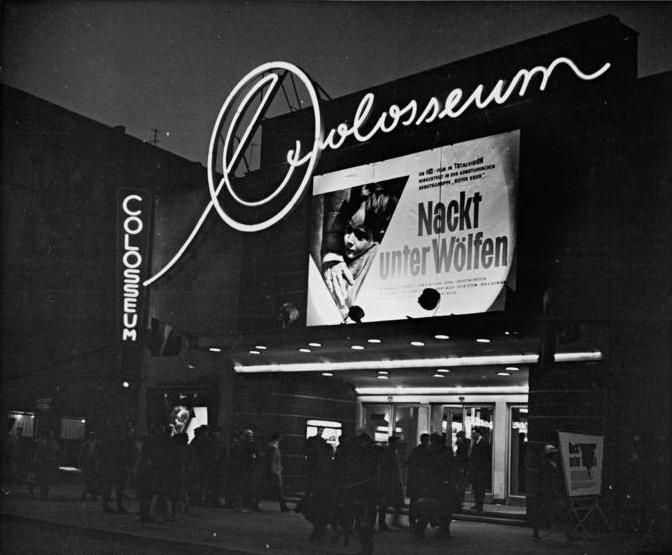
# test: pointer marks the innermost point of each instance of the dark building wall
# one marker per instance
(200, 295)
(284, 403)
(61, 174)
(614, 258)
(640, 396)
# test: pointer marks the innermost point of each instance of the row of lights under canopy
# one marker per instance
(259, 349)
(383, 374)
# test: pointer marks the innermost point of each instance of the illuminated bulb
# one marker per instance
(215, 349)
(417, 343)
(125, 385)
(441, 336)
(383, 377)
(383, 372)
(314, 344)
(482, 340)
(438, 376)
(328, 374)
(512, 368)
(357, 347)
(261, 347)
(254, 352)
(442, 370)
(374, 340)
(503, 373)
(304, 350)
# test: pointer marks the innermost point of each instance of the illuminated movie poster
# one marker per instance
(426, 234)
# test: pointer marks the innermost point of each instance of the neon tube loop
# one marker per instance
(387, 122)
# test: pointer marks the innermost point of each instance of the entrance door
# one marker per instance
(385, 420)
(467, 418)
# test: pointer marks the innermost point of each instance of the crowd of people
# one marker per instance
(168, 472)
(359, 482)
(34, 463)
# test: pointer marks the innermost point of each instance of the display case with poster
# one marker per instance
(181, 410)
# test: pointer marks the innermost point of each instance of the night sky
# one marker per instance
(170, 64)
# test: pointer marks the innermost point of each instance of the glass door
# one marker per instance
(452, 423)
(385, 420)
(467, 418)
(378, 422)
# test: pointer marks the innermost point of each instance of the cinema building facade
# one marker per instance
(515, 275)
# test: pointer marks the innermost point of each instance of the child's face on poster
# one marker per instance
(357, 239)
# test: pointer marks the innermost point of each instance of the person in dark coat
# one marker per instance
(17, 457)
(273, 470)
(244, 462)
(479, 467)
(391, 494)
(89, 459)
(168, 472)
(415, 465)
(45, 462)
(148, 468)
(183, 461)
(318, 456)
(203, 450)
(233, 493)
(461, 467)
(437, 488)
(552, 507)
(220, 455)
(115, 458)
(359, 471)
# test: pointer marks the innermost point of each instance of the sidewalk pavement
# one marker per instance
(273, 532)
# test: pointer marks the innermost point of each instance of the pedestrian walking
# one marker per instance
(215, 486)
(318, 457)
(148, 473)
(391, 491)
(45, 462)
(182, 459)
(359, 471)
(203, 450)
(416, 464)
(250, 458)
(437, 488)
(232, 481)
(88, 464)
(273, 470)
(244, 461)
(12, 457)
(115, 459)
(551, 503)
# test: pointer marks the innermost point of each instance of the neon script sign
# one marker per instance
(264, 80)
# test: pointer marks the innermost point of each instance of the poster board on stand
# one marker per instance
(582, 463)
